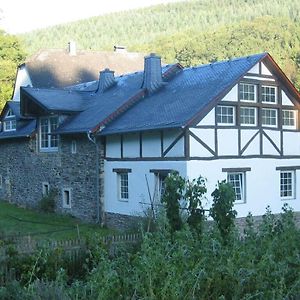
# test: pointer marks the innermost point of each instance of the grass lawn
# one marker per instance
(20, 221)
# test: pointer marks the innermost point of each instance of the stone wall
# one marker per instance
(24, 168)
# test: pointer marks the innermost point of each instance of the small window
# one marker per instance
(248, 116)
(225, 115)
(268, 94)
(1, 182)
(45, 188)
(66, 198)
(289, 118)
(287, 184)
(247, 92)
(73, 147)
(123, 186)
(160, 184)
(9, 125)
(269, 117)
(237, 180)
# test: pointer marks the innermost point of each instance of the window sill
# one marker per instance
(47, 150)
(123, 200)
(239, 202)
(287, 198)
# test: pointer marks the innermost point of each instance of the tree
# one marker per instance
(11, 55)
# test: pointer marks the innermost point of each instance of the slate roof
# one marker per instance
(183, 97)
(126, 107)
(57, 68)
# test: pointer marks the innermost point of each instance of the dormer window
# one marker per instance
(9, 122)
(48, 140)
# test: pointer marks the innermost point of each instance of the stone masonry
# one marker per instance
(24, 169)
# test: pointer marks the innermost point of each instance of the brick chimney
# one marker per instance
(152, 73)
(106, 80)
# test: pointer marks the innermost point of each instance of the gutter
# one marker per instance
(99, 202)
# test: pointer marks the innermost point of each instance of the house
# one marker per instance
(58, 68)
(107, 145)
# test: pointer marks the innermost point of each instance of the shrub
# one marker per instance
(47, 203)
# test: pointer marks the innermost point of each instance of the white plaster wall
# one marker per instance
(209, 119)
(262, 182)
(151, 144)
(137, 184)
(131, 145)
(265, 70)
(255, 69)
(232, 95)
(113, 146)
(207, 136)
(291, 143)
(285, 99)
(254, 147)
(268, 148)
(227, 141)
(22, 79)
(168, 138)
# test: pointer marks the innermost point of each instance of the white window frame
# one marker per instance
(9, 125)
(123, 195)
(49, 134)
(294, 118)
(45, 188)
(243, 84)
(225, 115)
(242, 186)
(293, 185)
(73, 147)
(269, 125)
(262, 94)
(255, 115)
(66, 191)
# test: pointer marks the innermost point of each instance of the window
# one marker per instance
(237, 180)
(287, 184)
(1, 182)
(269, 117)
(289, 118)
(9, 122)
(48, 140)
(66, 194)
(248, 116)
(45, 188)
(9, 125)
(160, 184)
(225, 115)
(73, 147)
(268, 94)
(123, 186)
(247, 92)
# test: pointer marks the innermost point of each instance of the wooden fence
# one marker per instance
(73, 250)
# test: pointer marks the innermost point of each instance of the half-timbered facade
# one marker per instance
(236, 120)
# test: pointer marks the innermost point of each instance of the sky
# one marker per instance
(18, 16)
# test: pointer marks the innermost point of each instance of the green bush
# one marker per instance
(48, 202)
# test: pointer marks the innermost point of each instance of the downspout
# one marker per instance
(100, 219)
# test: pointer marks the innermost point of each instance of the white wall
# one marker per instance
(285, 99)
(262, 182)
(138, 191)
(22, 79)
(131, 145)
(232, 94)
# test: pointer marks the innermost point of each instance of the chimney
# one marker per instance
(106, 80)
(72, 48)
(118, 48)
(152, 73)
